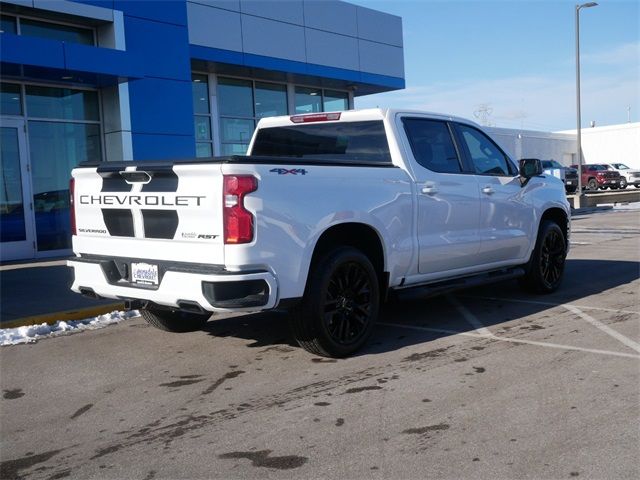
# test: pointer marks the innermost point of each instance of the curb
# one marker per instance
(586, 210)
(51, 318)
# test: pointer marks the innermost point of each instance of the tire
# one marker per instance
(614, 187)
(592, 184)
(546, 266)
(340, 306)
(571, 189)
(175, 321)
(623, 183)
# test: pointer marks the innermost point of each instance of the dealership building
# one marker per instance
(138, 80)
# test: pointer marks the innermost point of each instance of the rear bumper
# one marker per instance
(211, 288)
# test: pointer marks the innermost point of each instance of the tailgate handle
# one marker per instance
(138, 176)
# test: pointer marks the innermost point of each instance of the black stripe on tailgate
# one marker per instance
(119, 222)
(160, 223)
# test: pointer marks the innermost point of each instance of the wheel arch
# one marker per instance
(357, 235)
(559, 216)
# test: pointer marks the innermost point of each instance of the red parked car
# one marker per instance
(596, 176)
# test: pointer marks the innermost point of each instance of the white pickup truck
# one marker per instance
(327, 215)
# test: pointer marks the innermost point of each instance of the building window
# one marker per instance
(241, 104)
(8, 24)
(10, 99)
(202, 116)
(308, 100)
(44, 29)
(313, 100)
(335, 101)
(63, 127)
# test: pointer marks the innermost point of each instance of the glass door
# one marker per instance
(16, 217)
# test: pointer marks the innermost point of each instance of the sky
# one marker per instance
(517, 59)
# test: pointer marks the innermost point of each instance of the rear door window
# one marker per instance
(432, 145)
(349, 142)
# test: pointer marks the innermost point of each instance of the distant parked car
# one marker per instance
(629, 176)
(568, 175)
(598, 176)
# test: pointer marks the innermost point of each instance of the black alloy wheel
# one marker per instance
(623, 183)
(347, 304)
(552, 257)
(340, 306)
(543, 272)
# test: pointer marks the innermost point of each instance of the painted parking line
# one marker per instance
(605, 328)
(510, 340)
(550, 304)
(477, 324)
(469, 317)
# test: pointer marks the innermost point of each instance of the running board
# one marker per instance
(447, 286)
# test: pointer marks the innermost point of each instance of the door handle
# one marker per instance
(429, 190)
(488, 190)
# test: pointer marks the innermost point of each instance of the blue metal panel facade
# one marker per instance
(325, 43)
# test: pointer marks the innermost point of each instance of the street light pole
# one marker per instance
(579, 120)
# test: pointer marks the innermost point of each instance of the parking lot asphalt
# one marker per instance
(33, 292)
(488, 383)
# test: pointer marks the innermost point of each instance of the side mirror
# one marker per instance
(530, 167)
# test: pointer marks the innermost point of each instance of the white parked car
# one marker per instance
(630, 176)
(327, 214)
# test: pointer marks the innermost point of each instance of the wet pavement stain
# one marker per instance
(324, 360)
(479, 369)
(428, 428)
(426, 400)
(415, 357)
(13, 394)
(262, 459)
(11, 468)
(181, 383)
(81, 410)
(63, 474)
(322, 404)
(221, 380)
(339, 422)
(362, 389)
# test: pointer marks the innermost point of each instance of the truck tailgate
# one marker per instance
(147, 211)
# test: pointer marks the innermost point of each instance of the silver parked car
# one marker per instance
(629, 176)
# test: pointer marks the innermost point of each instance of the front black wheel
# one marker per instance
(340, 305)
(174, 320)
(546, 266)
(592, 184)
(623, 183)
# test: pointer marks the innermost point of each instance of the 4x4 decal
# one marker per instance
(292, 171)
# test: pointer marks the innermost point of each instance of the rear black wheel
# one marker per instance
(175, 321)
(623, 183)
(340, 305)
(546, 266)
(571, 189)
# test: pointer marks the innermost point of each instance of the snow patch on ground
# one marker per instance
(33, 333)
(627, 206)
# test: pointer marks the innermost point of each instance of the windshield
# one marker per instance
(620, 166)
(597, 167)
(551, 164)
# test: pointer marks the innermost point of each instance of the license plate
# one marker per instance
(569, 182)
(144, 273)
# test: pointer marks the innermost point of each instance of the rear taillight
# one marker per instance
(72, 205)
(238, 221)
